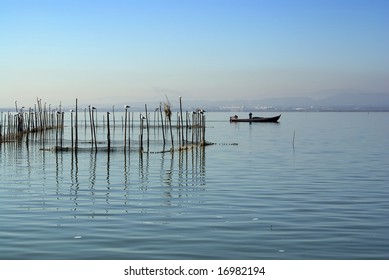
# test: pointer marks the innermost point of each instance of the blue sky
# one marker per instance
(122, 51)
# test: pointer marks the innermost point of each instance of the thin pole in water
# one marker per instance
(108, 133)
(147, 127)
(163, 131)
(71, 127)
(91, 124)
(125, 126)
(76, 121)
(182, 122)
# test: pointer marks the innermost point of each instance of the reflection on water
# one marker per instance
(104, 183)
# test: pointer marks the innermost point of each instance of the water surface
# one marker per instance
(314, 186)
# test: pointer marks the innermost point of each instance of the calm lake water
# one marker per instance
(314, 186)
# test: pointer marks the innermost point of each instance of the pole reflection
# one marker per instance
(117, 183)
(90, 184)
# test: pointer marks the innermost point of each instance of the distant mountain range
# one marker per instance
(342, 101)
(336, 102)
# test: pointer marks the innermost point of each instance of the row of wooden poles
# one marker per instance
(13, 126)
(190, 126)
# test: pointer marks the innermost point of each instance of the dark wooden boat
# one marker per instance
(255, 119)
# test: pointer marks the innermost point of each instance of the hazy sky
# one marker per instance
(141, 50)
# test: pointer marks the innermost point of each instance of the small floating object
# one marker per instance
(77, 237)
(281, 251)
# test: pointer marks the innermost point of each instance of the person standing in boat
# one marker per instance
(250, 115)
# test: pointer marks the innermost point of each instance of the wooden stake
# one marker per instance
(76, 140)
(71, 127)
(108, 134)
